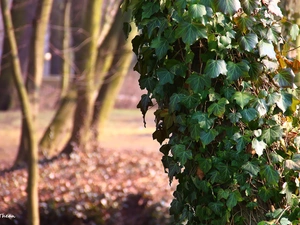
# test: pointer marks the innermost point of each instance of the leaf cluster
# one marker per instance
(227, 116)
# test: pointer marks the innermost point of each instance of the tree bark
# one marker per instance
(120, 66)
(22, 13)
(35, 74)
(32, 185)
(85, 60)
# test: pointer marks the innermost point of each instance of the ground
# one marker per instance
(120, 181)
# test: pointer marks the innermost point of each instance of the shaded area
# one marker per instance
(98, 186)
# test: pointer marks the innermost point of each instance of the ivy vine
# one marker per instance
(227, 117)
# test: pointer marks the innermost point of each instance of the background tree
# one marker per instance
(227, 107)
(27, 114)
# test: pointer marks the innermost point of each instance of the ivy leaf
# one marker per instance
(265, 193)
(204, 164)
(273, 8)
(195, 130)
(248, 42)
(233, 199)
(203, 120)
(234, 117)
(266, 49)
(255, 70)
(244, 22)
(149, 9)
(174, 102)
(208, 137)
(197, 11)
(165, 76)
(190, 32)
(293, 164)
(270, 174)
(218, 108)
(181, 153)
(216, 207)
(250, 5)
(249, 114)
(147, 82)
(236, 70)
(215, 67)
(285, 78)
(242, 98)
(272, 134)
(172, 166)
(294, 32)
(176, 207)
(161, 46)
(258, 146)
(197, 82)
(251, 168)
(223, 194)
(285, 101)
(144, 104)
(241, 143)
(229, 6)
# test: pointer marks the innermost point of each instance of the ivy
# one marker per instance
(227, 112)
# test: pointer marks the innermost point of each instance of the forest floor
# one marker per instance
(119, 181)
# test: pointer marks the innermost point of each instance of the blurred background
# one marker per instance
(98, 164)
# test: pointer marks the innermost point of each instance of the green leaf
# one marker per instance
(144, 104)
(197, 11)
(285, 101)
(165, 76)
(161, 46)
(175, 102)
(285, 221)
(265, 193)
(234, 117)
(203, 120)
(216, 207)
(149, 8)
(176, 207)
(190, 32)
(285, 78)
(294, 32)
(208, 137)
(147, 82)
(258, 146)
(233, 199)
(272, 134)
(197, 82)
(241, 143)
(273, 33)
(248, 42)
(266, 49)
(242, 98)
(218, 108)
(172, 166)
(270, 174)
(255, 70)
(229, 6)
(205, 164)
(215, 67)
(191, 101)
(251, 168)
(250, 5)
(195, 130)
(223, 194)
(181, 153)
(249, 114)
(244, 22)
(236, 70)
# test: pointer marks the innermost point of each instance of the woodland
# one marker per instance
(219, 78)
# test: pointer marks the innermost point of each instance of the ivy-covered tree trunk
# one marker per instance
(228, 112)
(85, 60)
(22, 16)
(32, 185)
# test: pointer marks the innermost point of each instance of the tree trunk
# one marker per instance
(32, 185)
(109, 90)
(35, 73)
(22, 16)
(85, 60)
(59, 129)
